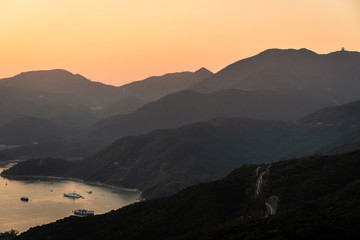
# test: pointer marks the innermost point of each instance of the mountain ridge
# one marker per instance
(187, 106)
(331, 77)
(155, 87)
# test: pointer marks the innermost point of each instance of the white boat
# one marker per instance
(83, 212)
(72, 195)
(89, 191)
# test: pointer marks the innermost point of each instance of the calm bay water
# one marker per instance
(47, 202)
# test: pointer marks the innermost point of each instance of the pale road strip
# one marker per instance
(271, 208)
(259, 182)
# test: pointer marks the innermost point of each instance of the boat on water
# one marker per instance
(83, 212)
(72, 195)
(24, 199)
(89, 191)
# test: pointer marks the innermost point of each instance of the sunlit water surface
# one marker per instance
(47, 202)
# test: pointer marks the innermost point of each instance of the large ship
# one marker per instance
(72, 195)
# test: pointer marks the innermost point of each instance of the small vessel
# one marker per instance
(83, 213)
(24, 199)
(72, 195)
(89, 191)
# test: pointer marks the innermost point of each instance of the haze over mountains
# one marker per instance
(74, 101)
(34, 93)
(185, 107)
(164, 161)
(308, 80)
(198, 127)
(17, 102)
(31, 130)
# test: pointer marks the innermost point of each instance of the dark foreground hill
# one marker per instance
(165, 161)
(319, 198)
(332, 77)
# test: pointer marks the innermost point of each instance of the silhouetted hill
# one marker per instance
(26, 94)
(153, 88)
(319, 198)
(30, 130)
(343, 114)
(70, 88)
(165, 161)
(330, 77)
(71, 99)
(188, 106)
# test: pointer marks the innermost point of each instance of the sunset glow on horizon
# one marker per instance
(120, 41)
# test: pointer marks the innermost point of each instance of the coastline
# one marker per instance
(25, 181)
(101, 184)
(71, 179)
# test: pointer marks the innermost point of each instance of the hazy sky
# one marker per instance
(118, 41)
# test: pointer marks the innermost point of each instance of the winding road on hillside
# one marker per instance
(260, 172)
(271, 203)
(270, 209)
(259, 182)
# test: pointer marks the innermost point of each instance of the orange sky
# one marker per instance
(119, 41)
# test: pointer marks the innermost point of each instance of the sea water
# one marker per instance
(47, 202)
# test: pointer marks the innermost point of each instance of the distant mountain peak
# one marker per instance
(47, 72)
(53, 75)
(330, 78)
(203, 70)
(344, 52)
(290, 50)
(305, 50)
(203, 73)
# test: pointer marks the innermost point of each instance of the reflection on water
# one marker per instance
(47, 202)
